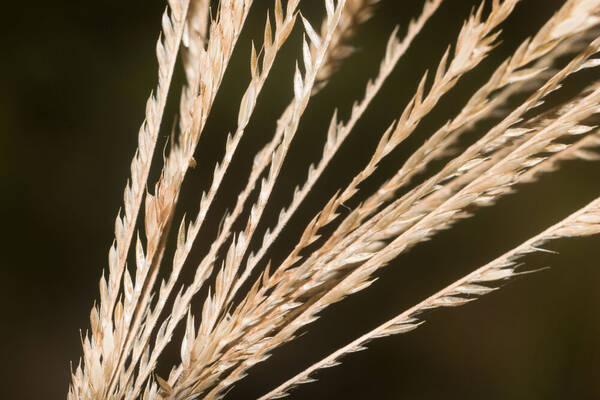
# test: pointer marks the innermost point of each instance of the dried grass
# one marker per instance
(253, 307)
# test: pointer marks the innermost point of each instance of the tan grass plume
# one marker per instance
(249, 306)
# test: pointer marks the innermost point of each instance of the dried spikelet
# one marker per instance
(356, 12)
(239, 323)
(585, 221)
(336, 136)
(172, 28)
(422, 234)
(394, 136)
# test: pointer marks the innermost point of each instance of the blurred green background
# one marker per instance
(74, 80)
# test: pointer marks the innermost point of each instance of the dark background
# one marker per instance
(74, 79)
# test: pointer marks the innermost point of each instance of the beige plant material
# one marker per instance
(479, 105)
(495, 152)
(461, 164)
(477, 43)
(567, 22)
(339, 132)
(356, 13)
(134, 322)
(117, 344)
(190, 380)
(371, 249)
(160, 207)
(584, 222)
(194, 39)
(353, 254)
(394, 50)
(270, 47)
(474, 40)
(108, 330)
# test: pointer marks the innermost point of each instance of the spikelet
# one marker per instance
(248, 312)
(584, 222)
